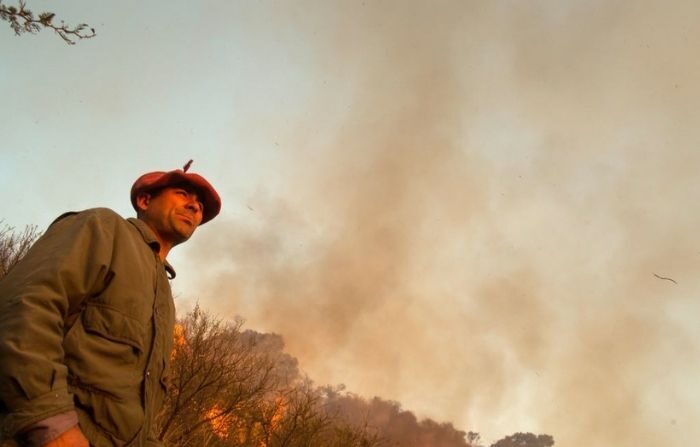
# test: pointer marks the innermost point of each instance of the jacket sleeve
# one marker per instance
(67, 264)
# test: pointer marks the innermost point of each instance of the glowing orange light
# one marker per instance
(179, 339)
(278, 411)
(217, 422)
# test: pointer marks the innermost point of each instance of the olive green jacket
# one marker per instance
(86, 324)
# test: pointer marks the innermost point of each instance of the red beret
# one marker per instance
(154, 180)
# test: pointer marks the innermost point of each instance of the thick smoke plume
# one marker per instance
(471, 224)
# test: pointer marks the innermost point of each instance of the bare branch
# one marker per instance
(666, 278)
(14, 245)
(22, 20)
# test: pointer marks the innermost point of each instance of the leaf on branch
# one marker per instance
(46, 17)
(23, 21)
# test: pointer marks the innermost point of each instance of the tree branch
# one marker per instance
(22, 20)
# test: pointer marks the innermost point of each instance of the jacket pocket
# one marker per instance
(113, 325)
(104, 352)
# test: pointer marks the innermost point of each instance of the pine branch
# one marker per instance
(22, 20)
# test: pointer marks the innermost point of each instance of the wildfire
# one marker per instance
(274, 415)
(278, 410)
(218, 424)
(179, 340)
(258, 433)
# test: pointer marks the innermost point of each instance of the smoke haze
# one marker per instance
(458, 205)
(477, 235)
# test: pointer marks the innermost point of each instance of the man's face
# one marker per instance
(173, 213)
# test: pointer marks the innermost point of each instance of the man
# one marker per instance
(87, 316)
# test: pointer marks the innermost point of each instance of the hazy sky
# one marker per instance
(460, 206)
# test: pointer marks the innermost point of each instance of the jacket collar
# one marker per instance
(150, 238)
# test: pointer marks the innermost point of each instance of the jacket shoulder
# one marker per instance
(103, 215)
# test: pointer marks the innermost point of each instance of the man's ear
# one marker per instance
(143, 199)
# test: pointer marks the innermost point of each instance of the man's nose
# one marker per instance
(193, 204)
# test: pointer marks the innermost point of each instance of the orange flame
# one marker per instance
(225, 425)
(258, 433)
(179, 340)
(278, 411)
(218, 424)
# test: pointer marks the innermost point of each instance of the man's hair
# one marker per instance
(152, 193)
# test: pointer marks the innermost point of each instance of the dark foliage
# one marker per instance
(23, 20)
(14, 245)
(525, 440)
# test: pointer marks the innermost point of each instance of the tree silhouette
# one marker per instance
(233, 388)
(23, 20)
(14, 245)
(525, 440)
(474, 439)
(216, 374)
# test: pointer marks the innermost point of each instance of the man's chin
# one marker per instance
(183, 234)
(184, 237)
